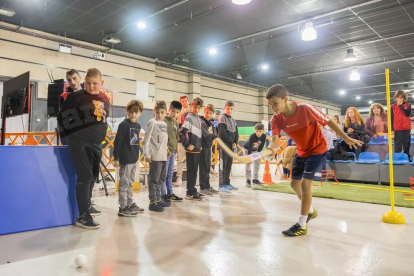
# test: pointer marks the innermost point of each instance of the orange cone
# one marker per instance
(267, 176)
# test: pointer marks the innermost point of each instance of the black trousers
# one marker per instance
(225, 168)
(86, 158)
(205, 162)
(193, 160)
(402, 141)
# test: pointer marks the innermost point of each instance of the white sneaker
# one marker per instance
(178, 183)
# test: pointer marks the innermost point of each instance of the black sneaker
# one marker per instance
(166, 202)
(156, 206)
(135, 208)
(173, 197)
(93, 211)
(248, 184)
(86, 221)
(295, 230)
(312, 215)
(126, 212)
(193, 196)
(213, 191)
(205, 192)
(257, 182)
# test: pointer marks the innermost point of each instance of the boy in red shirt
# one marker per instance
(401, 123)
(300, 122)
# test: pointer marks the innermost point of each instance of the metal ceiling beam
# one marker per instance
(294, 23)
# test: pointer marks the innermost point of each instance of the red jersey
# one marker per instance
(302, 127)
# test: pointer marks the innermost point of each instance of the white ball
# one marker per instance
(80, 261)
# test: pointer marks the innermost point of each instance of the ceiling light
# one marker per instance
(6, 11)
(350, 56)
(65, 48)
(354, 75)
(264, 67)
(309, 33)
(241, 2)
(370, 102)
(358, 97)
(342, 92)
(141, 25)
(113, 40)
(212, 51)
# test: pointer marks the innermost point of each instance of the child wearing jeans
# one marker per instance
(173, 131)
(254, 143)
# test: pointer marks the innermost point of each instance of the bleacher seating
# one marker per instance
(368, 158)
(397, 159)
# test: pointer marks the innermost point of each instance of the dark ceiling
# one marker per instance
(381, 33)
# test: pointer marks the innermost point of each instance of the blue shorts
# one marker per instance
(309, 167)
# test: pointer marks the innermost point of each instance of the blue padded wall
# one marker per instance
(37, 188)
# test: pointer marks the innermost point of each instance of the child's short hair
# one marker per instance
(176, 105)
(71, 72)
(135, 106)
(197, 102)
(229, 103)
(93, 73)
(259, 126)
(401, 93)
(217, 112)
(278, 91)
(160, 105)
(210, 107)
(183, 97)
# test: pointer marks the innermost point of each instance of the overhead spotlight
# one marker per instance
(358, 97)
(264, 67)
(354, 75)
(342, 92)
(350, 56)
(309, 33)
(113, 40)
(212, 51)
(63, 48)
(141, 25)
(6, 12)
(241, 2)
(370, 102)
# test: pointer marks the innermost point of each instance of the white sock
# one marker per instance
(311, 209)
(302, 221)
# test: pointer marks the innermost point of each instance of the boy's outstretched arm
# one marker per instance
(351, 142)
(274, 144)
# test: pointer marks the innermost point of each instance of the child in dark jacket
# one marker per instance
(209, 133)
(190, 135)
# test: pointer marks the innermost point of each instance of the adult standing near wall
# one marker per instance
(180, 147)
(401, 123)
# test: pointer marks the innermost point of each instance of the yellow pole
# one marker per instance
(391, 216)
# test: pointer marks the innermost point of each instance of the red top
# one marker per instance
(401, 121)
(302, 127)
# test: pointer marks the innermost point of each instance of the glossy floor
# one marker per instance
(229, 234)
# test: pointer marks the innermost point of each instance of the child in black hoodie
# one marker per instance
(209, 133)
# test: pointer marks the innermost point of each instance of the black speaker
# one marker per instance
(54, 90)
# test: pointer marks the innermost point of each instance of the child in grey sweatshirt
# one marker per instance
(156, 153)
